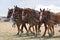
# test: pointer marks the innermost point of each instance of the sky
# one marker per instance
(54, 5)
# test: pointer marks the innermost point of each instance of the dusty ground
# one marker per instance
(7, 32)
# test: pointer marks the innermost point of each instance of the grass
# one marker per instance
(7, 32)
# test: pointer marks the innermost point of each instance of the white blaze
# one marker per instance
(22, 15)
(40, 16)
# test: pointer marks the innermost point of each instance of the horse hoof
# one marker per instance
(59, 30)
(17, 33)
(53, 34)
(43, 36)
(39, 31)
(50, 35)
(20, 35)
(27, 34)
(35, 35)
(21, 31)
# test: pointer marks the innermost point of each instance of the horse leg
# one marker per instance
(39, 28)
(30, 28)
(33, 28)
(36, 30)
(18, 26)
(50, 27)
(53, 29)
(25, 27)
(48, 31)
(45, 30)
(22, 29)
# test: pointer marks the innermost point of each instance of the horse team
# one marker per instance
(35, 19)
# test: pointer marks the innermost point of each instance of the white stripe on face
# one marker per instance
(22, 15)
(22, 12)
(40, 16)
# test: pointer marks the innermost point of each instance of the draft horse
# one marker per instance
(16, 13)
(33, 18)
(48, 18)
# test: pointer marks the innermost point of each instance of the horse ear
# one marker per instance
(43, 10)
(40, 10)
(15, 5)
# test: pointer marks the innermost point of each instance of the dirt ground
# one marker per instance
(7, 32)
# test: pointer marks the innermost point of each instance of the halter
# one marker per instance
(34, 16)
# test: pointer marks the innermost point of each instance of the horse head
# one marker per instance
(41, 14)
(26, 13)
(45, 15)
(17, 12)
(10, 12)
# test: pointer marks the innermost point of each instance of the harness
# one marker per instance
(15, 16)
(33, 13)
(48, 17)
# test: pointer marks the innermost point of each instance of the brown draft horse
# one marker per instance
(50, 19)
(19, 11)
(33, 18)
(17, 16)
(10, 13)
